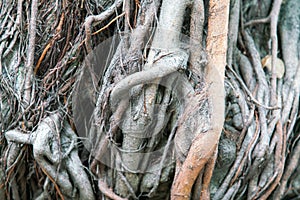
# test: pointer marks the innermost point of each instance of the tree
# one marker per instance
(149, 99)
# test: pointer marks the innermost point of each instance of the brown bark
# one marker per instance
(203, 150)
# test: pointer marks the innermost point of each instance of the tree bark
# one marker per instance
(150, 99)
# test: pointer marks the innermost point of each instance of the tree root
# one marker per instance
(57, 154)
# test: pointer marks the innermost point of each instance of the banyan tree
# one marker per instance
(149, 99)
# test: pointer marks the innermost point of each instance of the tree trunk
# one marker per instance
(153, 99)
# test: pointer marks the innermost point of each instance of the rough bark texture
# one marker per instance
(150, 99)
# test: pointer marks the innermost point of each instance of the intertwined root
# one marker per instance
(55, 150)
